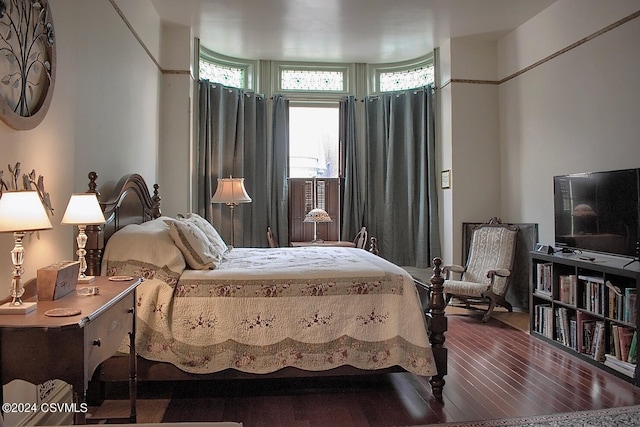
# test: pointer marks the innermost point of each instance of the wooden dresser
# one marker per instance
(36, 347)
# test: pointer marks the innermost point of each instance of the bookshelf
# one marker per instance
(586, 304)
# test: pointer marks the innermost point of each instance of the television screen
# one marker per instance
(598, 211)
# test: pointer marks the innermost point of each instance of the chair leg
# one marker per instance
(506, 304)
(489, 312)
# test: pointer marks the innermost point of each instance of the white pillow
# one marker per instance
(209, 230)
(150, 243)
(199, 253)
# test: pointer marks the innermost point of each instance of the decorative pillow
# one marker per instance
(161, 222)
(149, 243)
(208, 229)
(199, 253)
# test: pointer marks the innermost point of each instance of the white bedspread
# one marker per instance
(313, 308)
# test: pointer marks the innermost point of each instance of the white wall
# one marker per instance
(176, 120)
(103, 117)
(577, 112)
(469, 138)
(118, 91)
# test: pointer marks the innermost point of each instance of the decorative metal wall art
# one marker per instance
(29, 182)
(27, 62)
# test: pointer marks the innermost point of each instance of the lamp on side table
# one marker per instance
(315, 216)
(83, 209)
(20, 212)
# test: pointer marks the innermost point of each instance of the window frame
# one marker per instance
(347, 71)
(249, 67)
(322, 103)
(375, 70)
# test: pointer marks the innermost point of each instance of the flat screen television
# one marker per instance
(598, 211)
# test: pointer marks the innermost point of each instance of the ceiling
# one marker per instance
(368, 31)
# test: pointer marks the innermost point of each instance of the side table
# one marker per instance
(36, 347)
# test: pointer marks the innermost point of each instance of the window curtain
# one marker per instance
(232, 141)
(353, 205)
(277, 200)
(401, 207)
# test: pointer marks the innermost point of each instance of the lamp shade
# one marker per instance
(231, 191)
(317, 215)
(22, 211)
(83, 209)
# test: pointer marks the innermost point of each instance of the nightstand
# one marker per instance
(36, 348)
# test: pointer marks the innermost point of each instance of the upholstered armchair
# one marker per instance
(485, 278)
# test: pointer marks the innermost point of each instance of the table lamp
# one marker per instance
(315, 216)
(231, 191)
(83, 209)
(20, 212)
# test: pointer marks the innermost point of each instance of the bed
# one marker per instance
(259, 312)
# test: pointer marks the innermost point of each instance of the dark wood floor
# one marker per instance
(495, 371)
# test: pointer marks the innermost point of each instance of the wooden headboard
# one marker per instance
(130, 203)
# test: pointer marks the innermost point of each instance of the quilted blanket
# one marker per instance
(265, 309)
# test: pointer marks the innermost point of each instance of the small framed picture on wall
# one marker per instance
(445, 179)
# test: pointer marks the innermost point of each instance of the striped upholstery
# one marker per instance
(492, 249)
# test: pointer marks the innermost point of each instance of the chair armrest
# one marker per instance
(502, 272)
(452, 268)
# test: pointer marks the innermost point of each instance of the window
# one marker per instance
(406, 79)
(314, 80)
(308, 80)
(314, 140)
(226, 75)
(314, 170)
(224, 70)
(401, 76)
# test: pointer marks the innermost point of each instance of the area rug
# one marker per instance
(614, 417)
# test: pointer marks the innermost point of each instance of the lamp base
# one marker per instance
(86, 279)
(24, 308)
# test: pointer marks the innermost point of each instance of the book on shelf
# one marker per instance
(559, 327)
(587, 329)
(573, 328)
(568, 283)
(564, 333)
(544, 320)
(632, 348)
(614, 363)
(585, 325)
(615, 301)
(544, 278)
(625, 336)
(630, 310)
(598, 344)
(593, 297)
(615, 341)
